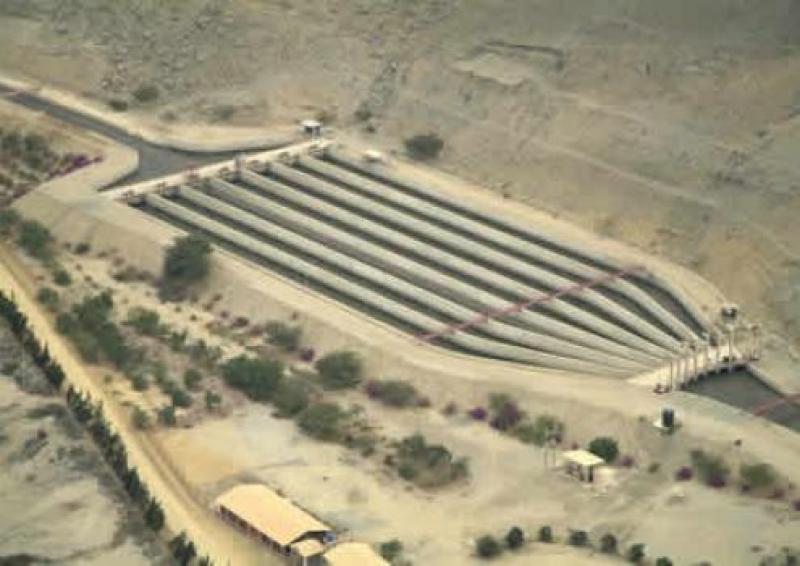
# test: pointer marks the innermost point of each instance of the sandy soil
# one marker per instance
(85, 517)
(358, 497)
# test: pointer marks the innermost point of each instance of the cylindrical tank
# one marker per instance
(668, 418)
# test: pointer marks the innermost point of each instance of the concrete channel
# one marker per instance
(368, 296)
(385, 280)
(469, 247)
(428, 254)
(530, 242)
(455, 286)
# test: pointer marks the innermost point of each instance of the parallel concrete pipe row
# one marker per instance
(388, 245)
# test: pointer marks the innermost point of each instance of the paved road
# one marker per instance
(154, 161)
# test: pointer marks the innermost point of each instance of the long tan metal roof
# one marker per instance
(353, 554)
(273, 515)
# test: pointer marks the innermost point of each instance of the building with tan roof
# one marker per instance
(275, 521)
(353, 554)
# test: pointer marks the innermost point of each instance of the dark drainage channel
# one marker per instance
(744, 390)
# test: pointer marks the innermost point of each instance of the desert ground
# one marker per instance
(85, 518)
(671, 128)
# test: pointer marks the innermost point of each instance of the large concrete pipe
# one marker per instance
(398, 285)
(411, 269)
(506, 240)
(364, 295)
(380, 171)
(450, 261)
(472, 248)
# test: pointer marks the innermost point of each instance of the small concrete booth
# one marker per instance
(582, 464)
(353, 554)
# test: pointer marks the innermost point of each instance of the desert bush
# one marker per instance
(141, 419)
(605, 447)
(636, 553)
(285, 336)
(257, 378)
(506, 415)
(340, 370)
(48, 297)
(192, 379)
(139, 382)
(711, 469)
(146, 93)
(166, 415)
(186, 263)
(180, 397)
(544, 427)
(488, 547)
(757, 476)
(608, 544)
(144, 321)
(545, 534)
(62, 278)
(663, 561)
(118, 104)
(391, 550)
(428, 465)
(35, 239)
(222, 112)
(213, 400)
(578, 538)
(684, 473)
(323, 421)
(515, 538)
(424, 147)
(82, 248)
(9, 219)
(393, 393)
(291, 397)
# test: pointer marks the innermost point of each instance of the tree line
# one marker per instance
(92, 417)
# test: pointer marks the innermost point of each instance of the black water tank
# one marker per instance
(668, 418)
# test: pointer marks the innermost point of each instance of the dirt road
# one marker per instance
(184, 512)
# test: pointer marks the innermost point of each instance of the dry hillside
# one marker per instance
(670, 125)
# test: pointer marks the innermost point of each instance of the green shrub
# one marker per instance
(542, 428)
(192, 378)
(608, 544)
(710, 468)
(9, 219)
(605, 447)
(429, 465)
(663, 561)
(340, 370)
(636, 553)
(291, 397)
(391, 550)
(141, 420)
(757, 476)
(578, 538)
(257, 378)
(424, 147)
(213, 401)
(393, 393)
(283, 335)
(62, 278)
(146, 93)
(166, 415)
(488, 547)
(222, 112)
(144, 321)
(139, 382)
(180, 397)
(186, 263)
(515, 538)
(323, 421)
(66, 323)
(118, 105)
(546, 534)
(48, 297)
(35, 239)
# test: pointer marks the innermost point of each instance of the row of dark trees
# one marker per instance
(92, 417)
